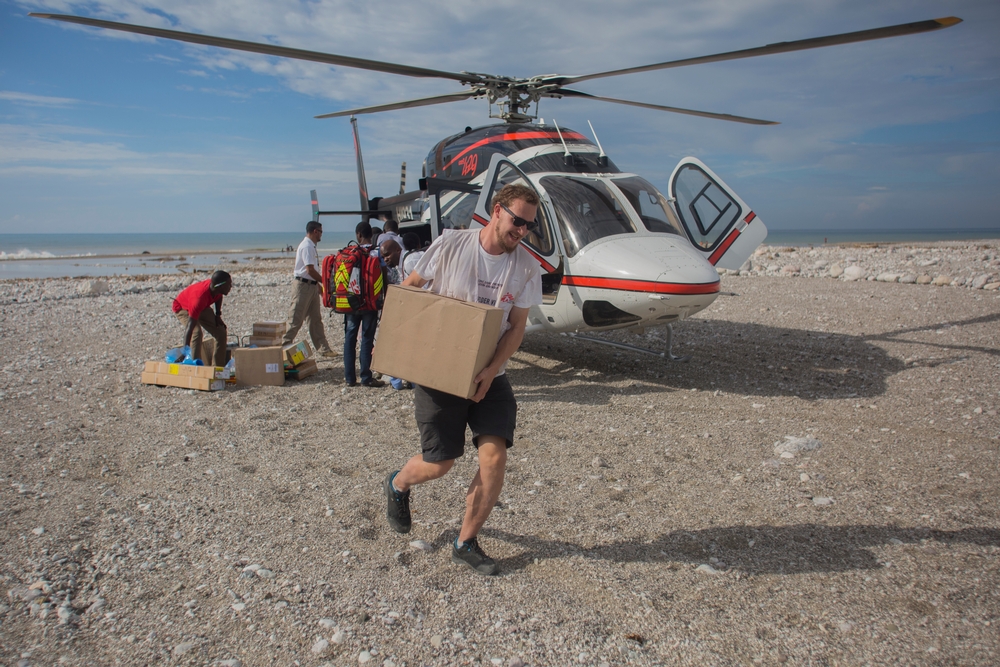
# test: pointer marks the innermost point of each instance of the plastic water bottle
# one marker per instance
(176, 354)
(192, 362)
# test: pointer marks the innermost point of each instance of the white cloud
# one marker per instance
(36, 100)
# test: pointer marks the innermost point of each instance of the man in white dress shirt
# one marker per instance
(306, 297)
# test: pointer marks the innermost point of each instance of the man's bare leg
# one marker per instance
(486, 485)
(417, 471)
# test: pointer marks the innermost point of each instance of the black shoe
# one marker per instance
(398, 506)
(373, 383)
(351, 384)
(471, 554)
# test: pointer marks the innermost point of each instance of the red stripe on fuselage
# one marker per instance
(650, 286)
(513, 136)
(545, 265)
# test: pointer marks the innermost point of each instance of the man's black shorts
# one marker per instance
(442, 419)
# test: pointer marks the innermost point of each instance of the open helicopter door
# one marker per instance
(717, 221)
(541, 243)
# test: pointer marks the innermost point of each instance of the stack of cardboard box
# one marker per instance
(267, 334)
(261, 362)
(204, 378)
(299, 362)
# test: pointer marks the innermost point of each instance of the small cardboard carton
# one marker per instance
(302, 371)
(259, 366)
(296, 353)
(203, 378)
(269, 329)
(435, 341)
(264, 341)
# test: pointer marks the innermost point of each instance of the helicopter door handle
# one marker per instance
(659, 297)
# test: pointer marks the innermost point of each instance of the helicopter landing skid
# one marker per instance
(669, 354)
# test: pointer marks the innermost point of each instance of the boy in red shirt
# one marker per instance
(192, 308)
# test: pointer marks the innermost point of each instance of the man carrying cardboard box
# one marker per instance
(480, 266)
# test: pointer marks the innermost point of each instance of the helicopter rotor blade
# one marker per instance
(779, 47)
(266, 49)
(690, 112)
(408, 104)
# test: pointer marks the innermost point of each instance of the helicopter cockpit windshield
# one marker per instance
(587, 210)
(649, 203)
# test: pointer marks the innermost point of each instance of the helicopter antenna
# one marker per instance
(602, 159)
(592, 131)
(567, 157)
(402, 179)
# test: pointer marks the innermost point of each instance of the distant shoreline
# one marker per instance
(153, 257)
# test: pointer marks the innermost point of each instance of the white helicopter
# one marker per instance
(614, 250)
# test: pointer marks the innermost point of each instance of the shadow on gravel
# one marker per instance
(731, 357)
(793, 549)
(898, 336)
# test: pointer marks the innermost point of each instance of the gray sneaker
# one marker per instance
(471, 554)
(398, 505)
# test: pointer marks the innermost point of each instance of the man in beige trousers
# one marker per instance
(306, 297)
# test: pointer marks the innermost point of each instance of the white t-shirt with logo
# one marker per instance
(457, 266)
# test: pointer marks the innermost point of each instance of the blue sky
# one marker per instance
(108, 132)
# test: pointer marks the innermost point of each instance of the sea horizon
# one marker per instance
(106, 254)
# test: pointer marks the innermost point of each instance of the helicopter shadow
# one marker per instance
(729, 357)
(794, 549)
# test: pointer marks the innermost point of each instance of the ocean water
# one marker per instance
(75, 255)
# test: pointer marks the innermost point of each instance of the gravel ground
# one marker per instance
(817, 486)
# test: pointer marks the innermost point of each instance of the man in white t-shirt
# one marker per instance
(488, 266)
(412, 253)
(306, 296)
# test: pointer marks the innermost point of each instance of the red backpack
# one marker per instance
(352, 280)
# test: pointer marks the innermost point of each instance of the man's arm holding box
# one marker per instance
(509, 342)
(414, 280)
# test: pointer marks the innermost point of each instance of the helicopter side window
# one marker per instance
(457, 213)
(587, 211)
(649, 203)
(708, 212)
(541, 238)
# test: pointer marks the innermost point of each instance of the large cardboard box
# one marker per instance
(296, 353)
(435, 341)
(210, 372)
(259, 366)
(184, 381)
(270, 329)
(303, 370)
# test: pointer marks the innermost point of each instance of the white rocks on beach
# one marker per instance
(794, 445)
(974, 264)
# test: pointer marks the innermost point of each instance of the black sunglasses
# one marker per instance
(518, 221)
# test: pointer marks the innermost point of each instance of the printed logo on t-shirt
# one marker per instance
(487, 293)
(507, 298)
